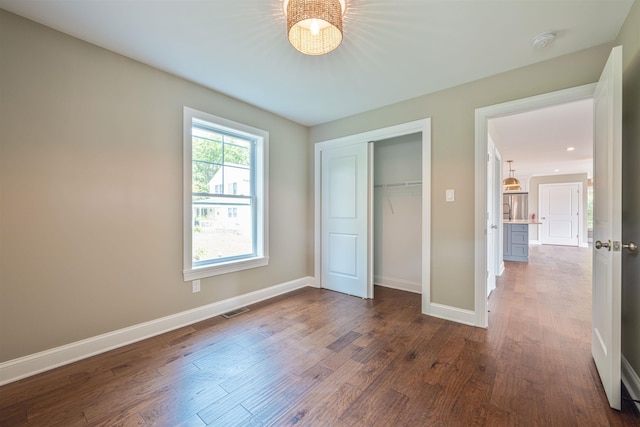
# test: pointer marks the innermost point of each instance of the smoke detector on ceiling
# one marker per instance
(543, 40)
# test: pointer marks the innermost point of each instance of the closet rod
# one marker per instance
(399, 184)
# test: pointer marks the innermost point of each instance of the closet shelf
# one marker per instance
(399, 184)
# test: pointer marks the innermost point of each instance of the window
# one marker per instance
(233, 187)
(225, 203)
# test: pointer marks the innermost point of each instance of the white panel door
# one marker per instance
(493, 221)
(559, 213)
(607, 230)
(345, 223)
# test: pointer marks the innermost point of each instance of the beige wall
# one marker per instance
(630, 39)
(453, 152)
(91, 191)
(534, 199)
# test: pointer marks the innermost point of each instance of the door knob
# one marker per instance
(631, 246)
(495, 226)
(600, 245)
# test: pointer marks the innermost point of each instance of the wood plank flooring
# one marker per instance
(318, 358)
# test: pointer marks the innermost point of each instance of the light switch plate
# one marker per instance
(195, 286)
(450, 195)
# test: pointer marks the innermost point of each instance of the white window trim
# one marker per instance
(262, 184)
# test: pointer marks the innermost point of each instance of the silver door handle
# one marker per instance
(495, 226)
(631, 246)
(600, 245)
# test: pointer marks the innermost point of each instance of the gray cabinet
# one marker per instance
(516, 242)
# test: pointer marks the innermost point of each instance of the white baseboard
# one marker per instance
(630, 380)
(501, 268)
(313, 282)
(403, 285)
(535, 242)
(32, 364)
(466, 317)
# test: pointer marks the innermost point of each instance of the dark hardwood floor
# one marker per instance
(319, 358)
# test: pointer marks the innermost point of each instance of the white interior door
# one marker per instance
(493, 222)
(560, 213)
(607, 230)
(346, 219)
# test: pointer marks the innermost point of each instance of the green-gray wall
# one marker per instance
(629, 38)
(452, 113)
(91, 191)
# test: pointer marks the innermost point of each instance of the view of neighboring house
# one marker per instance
(224, 222)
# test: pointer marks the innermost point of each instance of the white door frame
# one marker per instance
(481, 140)
(581, 225)
(424, 127)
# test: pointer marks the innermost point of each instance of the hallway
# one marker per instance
(540, 331)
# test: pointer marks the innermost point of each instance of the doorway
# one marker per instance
(483, 116)
(607, 160)
(419, 127)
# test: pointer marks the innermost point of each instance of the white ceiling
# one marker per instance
(537, 141)
(393, 50)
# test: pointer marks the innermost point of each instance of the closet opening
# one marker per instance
(397, 213)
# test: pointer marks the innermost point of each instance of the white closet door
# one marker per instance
(346, 249)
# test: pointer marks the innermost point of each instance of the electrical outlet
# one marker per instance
(195, 286)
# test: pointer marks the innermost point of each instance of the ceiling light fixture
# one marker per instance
(570, 148)
(511, 183)
(314, 27)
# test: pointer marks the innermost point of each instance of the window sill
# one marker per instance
(224, 268)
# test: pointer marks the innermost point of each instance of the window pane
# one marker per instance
(221, 229)
(202, 177)
(238, 153)
(237, 181)
(215, 184)
(207, 150)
